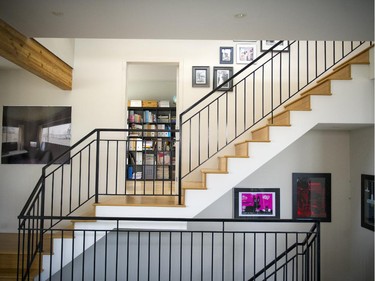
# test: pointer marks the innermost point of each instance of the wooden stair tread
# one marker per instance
(343, 73)
(193, 185)
(322, 88)
(139, 201)
(235, 156)
(361, 58)
(11, 273)
(279, 113)
(213, 171)
(247, 141)
(8, 242)
(87, 214)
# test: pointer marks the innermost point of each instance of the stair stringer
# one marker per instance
(352, 101)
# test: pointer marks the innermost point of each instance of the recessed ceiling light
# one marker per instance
(240, 15)
(57, 13)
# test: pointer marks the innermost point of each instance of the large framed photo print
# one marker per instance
(257, 203)
(35, 134)
(312, 196)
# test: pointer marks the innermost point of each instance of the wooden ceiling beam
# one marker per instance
(34, 57)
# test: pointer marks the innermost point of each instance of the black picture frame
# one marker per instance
(226, 55)
(312, 196)
(222, 74)
(201, 76)
(256, 203)
(367, 201)
(265, 45)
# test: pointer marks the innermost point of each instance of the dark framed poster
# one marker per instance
(257, 203)
(367, 201)
(312, 196)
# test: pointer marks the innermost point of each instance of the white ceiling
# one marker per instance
(192, 19)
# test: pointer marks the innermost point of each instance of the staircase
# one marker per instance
(310, 108)
(201, 186)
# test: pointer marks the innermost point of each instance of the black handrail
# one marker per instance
(313, 230)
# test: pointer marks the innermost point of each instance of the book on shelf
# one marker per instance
(163, 103)
(134, 117)
(135, 158)
(149, 117)
(164, 118)
(137, 128)
(149, 172)
(164, 158)
(149, 127)
(148, 145)
(138, 158)
(149, 159)
(135, 144)
(162, 173)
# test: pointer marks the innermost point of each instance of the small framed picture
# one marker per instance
(265, 45)
(312, 196)
(201, 76)
(226, 55)
(367, 201)
(222, 74)
(257, 203)
(245, 53)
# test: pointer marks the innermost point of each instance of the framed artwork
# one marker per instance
(257, 203)
(245, 53)
(35, 134)
(226, 55)
(312, 196)
(201, 76)
(265, 45)
(222, 74)
(367, 201)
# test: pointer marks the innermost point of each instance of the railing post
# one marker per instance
(43, 201)
(318, 250)
(97, 166)
(19, 252)
(179, 161)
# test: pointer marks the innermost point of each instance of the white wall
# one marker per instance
(362, 246)
(61, 47)
(98, 98)
(321, 152)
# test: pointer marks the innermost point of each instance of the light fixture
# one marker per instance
(240, 15)
(57, 13)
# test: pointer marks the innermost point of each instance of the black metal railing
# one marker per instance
(97, 165)
(258, 91)
(177, 249)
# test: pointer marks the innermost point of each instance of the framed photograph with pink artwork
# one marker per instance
(256, 203)
(312, 196)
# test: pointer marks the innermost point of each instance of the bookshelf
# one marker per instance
(151, 154)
